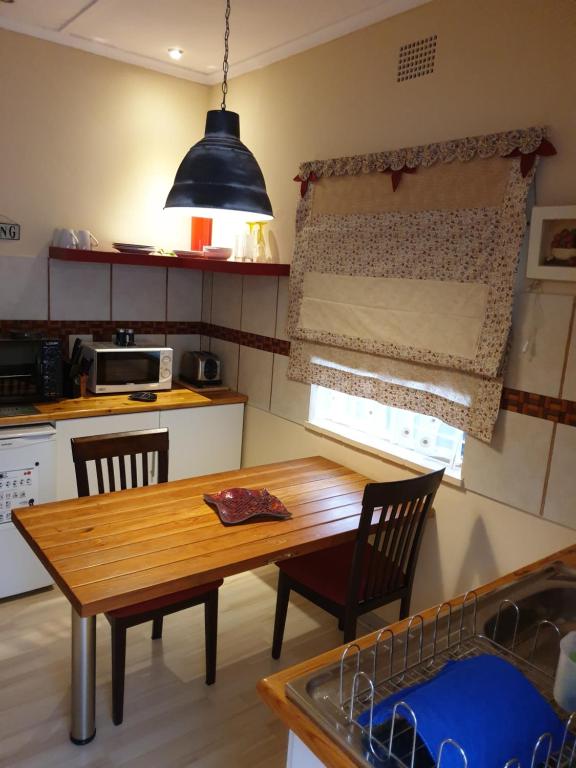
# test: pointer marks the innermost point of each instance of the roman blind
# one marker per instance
(403, 273)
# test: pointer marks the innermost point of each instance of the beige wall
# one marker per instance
(86, 142)
(501, 64)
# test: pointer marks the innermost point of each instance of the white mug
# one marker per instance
(86, 239)
(65, 238)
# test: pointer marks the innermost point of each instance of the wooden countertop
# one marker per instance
(107, 405)
(272, 689)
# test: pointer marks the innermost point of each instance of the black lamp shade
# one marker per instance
(220, 172)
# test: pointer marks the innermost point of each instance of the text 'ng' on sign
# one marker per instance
(9, 230)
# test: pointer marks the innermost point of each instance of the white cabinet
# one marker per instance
(98, 425)
(204, 440)
(299, 756)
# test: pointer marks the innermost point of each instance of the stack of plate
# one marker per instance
(133, 248)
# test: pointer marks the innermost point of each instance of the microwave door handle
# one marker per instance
(153, 468)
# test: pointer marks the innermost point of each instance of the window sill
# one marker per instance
(405, 459)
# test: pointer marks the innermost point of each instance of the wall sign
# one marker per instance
(9, 230)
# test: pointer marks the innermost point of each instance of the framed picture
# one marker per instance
(552, 248)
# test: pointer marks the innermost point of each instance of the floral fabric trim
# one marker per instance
(477, 245)
(507, 144)
(476, 418)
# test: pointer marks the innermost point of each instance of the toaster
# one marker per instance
(202, 369)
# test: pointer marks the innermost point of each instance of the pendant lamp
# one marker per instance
(219, 173)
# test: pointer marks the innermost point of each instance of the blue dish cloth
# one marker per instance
(484, 704)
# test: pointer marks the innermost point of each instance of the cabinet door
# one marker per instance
(204, 440)
(299, 756)
(98, 425)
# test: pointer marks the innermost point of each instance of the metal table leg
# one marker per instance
(83, 704)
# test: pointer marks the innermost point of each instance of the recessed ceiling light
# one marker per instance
(175, 53)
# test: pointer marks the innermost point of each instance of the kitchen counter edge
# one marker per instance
(110, 405)
(272, 688)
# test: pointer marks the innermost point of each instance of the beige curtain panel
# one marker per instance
(402, 280)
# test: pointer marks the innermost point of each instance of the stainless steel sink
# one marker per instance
(551, 598)
(548, 594)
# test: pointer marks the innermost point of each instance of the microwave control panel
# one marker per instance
(18, 488)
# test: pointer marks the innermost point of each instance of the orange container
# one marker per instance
(201, 233)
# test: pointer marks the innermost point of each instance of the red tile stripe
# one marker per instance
(266, 343)
(528, 403)
(102, 330)
(540, 406)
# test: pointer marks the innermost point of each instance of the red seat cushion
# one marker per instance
(165, 601)
(326, 572)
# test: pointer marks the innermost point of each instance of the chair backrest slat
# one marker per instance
(118, 446)
(403, 508)
(144, 469)
(111, 481)
(134, 470)
(408, 523)
(381, 544)
(99, 478)
(122, 467)
(388, 557)
(408, 539)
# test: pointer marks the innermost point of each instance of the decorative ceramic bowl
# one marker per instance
(216, 252)
(237, 505)
(563, 254)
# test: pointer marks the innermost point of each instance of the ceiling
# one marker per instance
(141, 31)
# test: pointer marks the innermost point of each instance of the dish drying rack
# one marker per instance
(453, 637)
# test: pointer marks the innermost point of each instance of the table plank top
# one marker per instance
(117, 549)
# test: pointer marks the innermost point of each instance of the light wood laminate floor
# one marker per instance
(172, 719)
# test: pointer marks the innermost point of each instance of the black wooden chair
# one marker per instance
(120, 447)
(362, 575)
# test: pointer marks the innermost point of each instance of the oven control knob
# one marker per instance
(166, 359)
(165, 373)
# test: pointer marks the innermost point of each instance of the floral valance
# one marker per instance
(530, 142)
(403, 293)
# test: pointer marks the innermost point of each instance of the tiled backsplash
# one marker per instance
(242, 319)
(122, 293)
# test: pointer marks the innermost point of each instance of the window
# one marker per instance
(422, 440)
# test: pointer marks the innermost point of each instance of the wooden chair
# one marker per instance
(103, 450)
(359, 576)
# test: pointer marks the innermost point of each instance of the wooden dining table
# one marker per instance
(119, 549)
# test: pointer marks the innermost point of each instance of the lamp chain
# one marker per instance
(225, 63)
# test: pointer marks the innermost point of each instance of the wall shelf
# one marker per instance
(171, 262)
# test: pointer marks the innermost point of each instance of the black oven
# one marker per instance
(30, 370)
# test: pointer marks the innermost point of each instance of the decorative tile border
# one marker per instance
(265, 343)
(102, 330)
(540, 406)
(528, 403)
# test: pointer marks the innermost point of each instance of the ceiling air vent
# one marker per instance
(417, 59)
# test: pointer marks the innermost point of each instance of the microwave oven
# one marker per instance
(30, 370)
(127, 369)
